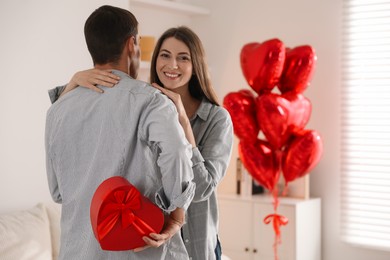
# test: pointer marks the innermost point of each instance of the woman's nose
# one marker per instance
(173, 65)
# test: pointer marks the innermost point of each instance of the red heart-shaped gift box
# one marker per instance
(121, 216)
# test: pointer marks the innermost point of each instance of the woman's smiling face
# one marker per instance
(174, 64)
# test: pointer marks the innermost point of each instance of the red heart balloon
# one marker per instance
(242, 109)
(262, 64)
(301, 155)
(272, 116)
(260, 161)
(298, 69)
(299, 111)
(281, 115)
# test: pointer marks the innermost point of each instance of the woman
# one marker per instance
(179, 70)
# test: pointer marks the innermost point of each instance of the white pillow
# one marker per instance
(25, 235)
(54, 214)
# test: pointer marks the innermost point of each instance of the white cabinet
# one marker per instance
(244, 235)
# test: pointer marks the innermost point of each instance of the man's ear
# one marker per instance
(131, 42)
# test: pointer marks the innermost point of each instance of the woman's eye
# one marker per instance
(184, 58)
(164, 55)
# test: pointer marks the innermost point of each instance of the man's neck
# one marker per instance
(111, 66)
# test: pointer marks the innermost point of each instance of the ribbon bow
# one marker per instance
(277, 221)
(120, 207)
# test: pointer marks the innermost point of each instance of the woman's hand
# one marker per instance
(183, 118)
(176, 98)
(90, 78)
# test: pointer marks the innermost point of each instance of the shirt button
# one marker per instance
(187, 241)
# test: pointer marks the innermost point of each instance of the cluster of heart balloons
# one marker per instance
(276, 108)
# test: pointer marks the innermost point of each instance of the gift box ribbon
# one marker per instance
(120, 207)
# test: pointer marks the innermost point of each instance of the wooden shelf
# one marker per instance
(172, 6)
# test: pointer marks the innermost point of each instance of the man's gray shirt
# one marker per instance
(131, 130)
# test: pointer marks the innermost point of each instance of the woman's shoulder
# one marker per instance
(216, 112)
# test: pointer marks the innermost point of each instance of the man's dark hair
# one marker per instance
(106, 32)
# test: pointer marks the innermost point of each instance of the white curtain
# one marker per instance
(366, 123)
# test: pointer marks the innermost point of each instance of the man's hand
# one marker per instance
(172, 225)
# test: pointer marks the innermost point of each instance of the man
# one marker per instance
(131, 131)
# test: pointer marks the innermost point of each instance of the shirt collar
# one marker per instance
(204, 109)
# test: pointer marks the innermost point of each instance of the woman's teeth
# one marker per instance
(171, 75)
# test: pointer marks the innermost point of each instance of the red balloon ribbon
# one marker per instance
(277, 221)
(120, 207)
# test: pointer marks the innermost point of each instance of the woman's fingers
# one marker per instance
(172, 95)
(163, 90)
(176, 99)
(108, 76)
(156, 85)
(102, 82)
(94, 88)
(92, 77)
(105, 78)
(109, 73)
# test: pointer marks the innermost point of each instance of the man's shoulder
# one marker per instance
(142, 89)
(135, 86)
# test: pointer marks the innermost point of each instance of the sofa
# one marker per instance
(32, 234)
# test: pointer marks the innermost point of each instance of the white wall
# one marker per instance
(42, 45)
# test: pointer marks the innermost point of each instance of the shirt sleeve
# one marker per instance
(51, 174)
(211, 159)
(160, 126)
(55, 93)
